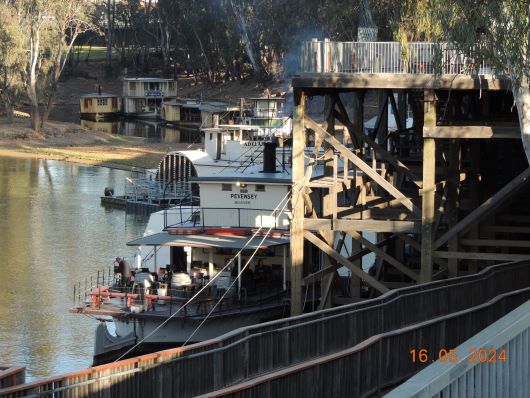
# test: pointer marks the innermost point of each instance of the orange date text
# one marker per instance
(481, 355)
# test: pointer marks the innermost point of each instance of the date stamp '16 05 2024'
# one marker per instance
(481, 355)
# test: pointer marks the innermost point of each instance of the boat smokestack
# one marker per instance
(269, 156)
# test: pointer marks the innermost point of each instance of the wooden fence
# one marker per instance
(250, 352)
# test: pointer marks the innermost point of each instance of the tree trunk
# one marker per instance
(521, 96)
(109, 10)
(238, 12)
(35, 117)
(8, 107)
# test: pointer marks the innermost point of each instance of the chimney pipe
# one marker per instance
(269, 156)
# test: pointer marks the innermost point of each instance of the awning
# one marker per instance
(207, 241)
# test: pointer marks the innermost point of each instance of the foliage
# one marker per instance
(497, 31)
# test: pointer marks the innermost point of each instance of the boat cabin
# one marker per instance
(267, 106)
(99, 106)
(143, 96)
(196, 113)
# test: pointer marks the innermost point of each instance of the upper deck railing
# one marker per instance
(389, 57)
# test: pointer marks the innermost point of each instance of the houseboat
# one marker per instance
(99, 106)
(143, 96)
(195, 113)
(225, 261)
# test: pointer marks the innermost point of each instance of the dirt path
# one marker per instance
(73, 143)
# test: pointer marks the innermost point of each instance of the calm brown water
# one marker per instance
(53, 233)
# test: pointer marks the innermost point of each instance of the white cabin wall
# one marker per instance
(222, 208)
(210, 143)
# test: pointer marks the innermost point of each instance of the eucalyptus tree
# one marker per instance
(499, 33)
(12, 52)
(49, 29)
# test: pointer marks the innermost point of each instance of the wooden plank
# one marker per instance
(362, 225)
(477, 132)
(427, 203)
(370, 172)
(397, 81)
(297, 223)
(485, 208)
(482, 256)
(495, 243)
(342, 260)
(506, 229)
(384, 255)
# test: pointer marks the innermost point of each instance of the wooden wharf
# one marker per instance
(445, 200)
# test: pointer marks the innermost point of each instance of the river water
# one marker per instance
(53, 233)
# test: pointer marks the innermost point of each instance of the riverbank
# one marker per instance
(74, 143)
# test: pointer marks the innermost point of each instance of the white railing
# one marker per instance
(495, 362)
(389, 57)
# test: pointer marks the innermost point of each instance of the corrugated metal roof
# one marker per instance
(207, 241)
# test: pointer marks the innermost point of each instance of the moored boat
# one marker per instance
(99, 106)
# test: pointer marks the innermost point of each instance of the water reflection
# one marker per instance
(54, 232)
(151, 130)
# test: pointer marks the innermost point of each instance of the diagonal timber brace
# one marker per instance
(363, 166)
(485, 208)
(384, 255)
(344, 261)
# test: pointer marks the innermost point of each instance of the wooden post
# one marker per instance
(358, 114)
(474, 197)
(329, 201)
(297, 203)
(355, 281)
(427, 203)
(452, 202)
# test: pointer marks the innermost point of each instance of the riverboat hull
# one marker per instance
(144, 334)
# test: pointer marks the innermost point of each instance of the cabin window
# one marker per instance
(171, 86)
(211, 136)
(102, 101)
(88, 102)
(260, 188)
(227, 187)
(132, 86)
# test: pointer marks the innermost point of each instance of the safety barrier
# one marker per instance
(252, 351)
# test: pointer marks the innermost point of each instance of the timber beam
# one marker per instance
(344, 261)
(394, 226)
(322, 81)
(476, 132)
(483, 256)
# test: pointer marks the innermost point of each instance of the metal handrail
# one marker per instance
(437, 297)
(391, 57)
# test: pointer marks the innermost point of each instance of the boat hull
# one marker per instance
(133, 330)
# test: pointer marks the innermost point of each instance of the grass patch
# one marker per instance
(90, 53)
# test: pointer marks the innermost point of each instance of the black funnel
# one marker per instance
(269, 156)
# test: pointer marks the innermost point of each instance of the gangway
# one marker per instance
(360, 349)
